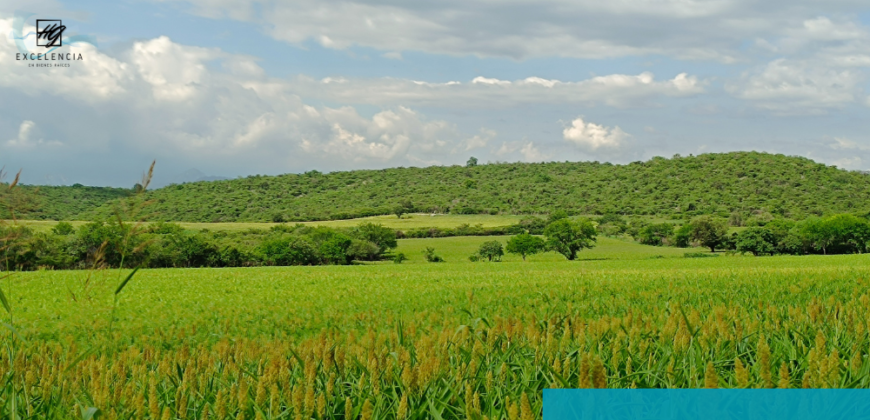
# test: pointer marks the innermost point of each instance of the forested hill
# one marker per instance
(56, 202)
(742, 182)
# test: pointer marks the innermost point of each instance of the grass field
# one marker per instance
(408, 221)
(420, 340)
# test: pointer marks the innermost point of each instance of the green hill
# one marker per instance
(744, 182)
(56, 202)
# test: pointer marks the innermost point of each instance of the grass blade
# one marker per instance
(5, 302)
(126, 280)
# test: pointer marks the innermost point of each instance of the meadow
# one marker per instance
(426, 340)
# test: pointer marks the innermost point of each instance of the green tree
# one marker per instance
(334, 249)
(568, 237)
(683, 236)
(656, 233)
(431, 256)
(63, 229)
(757, 240)
(709, 232)
(383, 237)
(491, 250)
(525, 244)
(472, 162)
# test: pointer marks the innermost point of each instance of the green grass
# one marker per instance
(478, 339)
(458, 249)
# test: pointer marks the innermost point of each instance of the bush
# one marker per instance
(431, 256)
(698, 255)
(63, 229)
(398, 258)
(363, 250)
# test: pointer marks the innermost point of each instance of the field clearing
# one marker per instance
(451, 340)
(458, 249)
(408, 221)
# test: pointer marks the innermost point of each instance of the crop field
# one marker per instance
(412, 341)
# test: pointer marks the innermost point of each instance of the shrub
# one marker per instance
(398, 258)
(63, 229)
(429, 252)
(363, 250)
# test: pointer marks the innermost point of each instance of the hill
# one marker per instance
(744, 182)
(57, 202)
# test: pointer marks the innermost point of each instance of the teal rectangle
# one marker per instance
(712, 404)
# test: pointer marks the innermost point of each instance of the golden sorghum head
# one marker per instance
(526, 408)
(784, 380)
(348, 409)
(711, 380)
(741, 374)
(402, 412)
(367, 410)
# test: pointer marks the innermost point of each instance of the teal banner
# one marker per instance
(707, 404)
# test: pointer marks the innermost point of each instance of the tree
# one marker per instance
(63, 229)
(334, 249)
(757, 240)
(404, 207)
(709, 232)
(472, 162)
(491, 250)
(525, 244)
(567, 237)
(557, 215)
(383, 237)
(363, 250)
(656, 233)
(683, 236)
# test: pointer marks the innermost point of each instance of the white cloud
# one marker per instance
(618, 90)
(590, 136)
(531, 153)
(28, 137)
(691, 29)
(796, 87)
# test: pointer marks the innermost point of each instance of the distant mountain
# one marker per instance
(743, 182)
(194, 175)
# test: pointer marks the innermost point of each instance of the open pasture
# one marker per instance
(413, 341)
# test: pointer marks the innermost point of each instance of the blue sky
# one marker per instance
(266, 87)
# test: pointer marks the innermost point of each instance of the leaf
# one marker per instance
(5, 302)
(14, 331)
(124, 283)
(90, 413)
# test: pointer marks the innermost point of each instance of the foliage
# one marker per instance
(747, 183)
(567, 237)
(525, 244)
(656, 234)
(399, 258)
(757, 240)
(491, 250)
(709, 231)
(430, 255)
(63, 229)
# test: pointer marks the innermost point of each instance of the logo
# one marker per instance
(44, 46)
(49, 33)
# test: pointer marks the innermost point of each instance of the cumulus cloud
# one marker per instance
(164, 99)
(591, 136)
(822, 66)
(28, 137)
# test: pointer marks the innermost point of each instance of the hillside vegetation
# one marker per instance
(721, 184)
(56, 202)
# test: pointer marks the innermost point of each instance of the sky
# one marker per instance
(235, 88)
